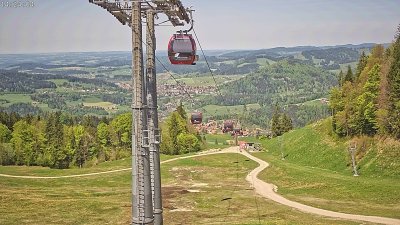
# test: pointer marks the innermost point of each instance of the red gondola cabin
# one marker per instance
(196, 118)
(228, 126)
(182, 50)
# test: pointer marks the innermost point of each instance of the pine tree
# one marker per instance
(181, 111)
(286, 123)
(55, 154)
(341, 78)
(394, 89)
(362, 63)
(276, 128)
(349, 75)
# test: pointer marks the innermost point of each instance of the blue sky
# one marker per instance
(76, 25)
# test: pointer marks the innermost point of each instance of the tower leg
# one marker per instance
(153, 123)
(142, 204)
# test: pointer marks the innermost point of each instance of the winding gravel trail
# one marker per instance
(262, 188)
(268, 191)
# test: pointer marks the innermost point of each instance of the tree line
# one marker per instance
(300, 114)
(59, 140)
(17, 82)
(367, 101)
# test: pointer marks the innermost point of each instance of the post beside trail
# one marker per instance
(281, 147)
(352, 151)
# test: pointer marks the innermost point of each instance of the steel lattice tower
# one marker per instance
(146, 177)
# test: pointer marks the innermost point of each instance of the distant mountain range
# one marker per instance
(223, 61)
(298, 49)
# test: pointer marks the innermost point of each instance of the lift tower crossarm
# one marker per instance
(122, 10)
(118, 12)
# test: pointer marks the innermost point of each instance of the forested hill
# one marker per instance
(286, 82)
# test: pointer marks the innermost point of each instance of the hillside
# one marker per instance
(97, 83)
(317, 171)
(286, 81)
(317, 146)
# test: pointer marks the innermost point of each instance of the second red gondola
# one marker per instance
(196, 118)
(228, 126)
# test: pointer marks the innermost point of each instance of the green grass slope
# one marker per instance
(316, 171)
(193, 193)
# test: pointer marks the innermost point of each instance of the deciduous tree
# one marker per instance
(394, 89)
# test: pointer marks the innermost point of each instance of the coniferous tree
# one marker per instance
(275, 122)
(362, 63)
(341, 78)
(280, 122)
(55, 154)
(286, 122)
(176, 126)
(181, 111)
(349, 75)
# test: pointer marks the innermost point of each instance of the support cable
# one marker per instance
(208, 64)
(237, 158)
(220, 94)
(193, 101)
(183, 88)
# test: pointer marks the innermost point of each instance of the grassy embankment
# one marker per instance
(317, 171)
(193, 191)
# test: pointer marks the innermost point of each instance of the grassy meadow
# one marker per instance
(193, 193)
(317, 172)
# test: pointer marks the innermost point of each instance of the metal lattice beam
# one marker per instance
(122, 10)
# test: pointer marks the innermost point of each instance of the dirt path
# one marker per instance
(268, 191)
(262, 188)
(120, 170)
